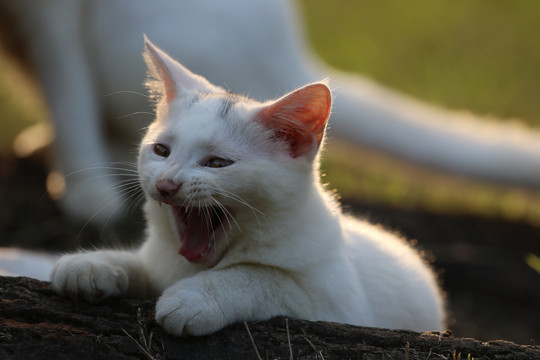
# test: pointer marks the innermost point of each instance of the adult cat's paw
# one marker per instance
(188, 312)
(89, 277)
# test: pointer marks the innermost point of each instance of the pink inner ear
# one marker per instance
(300, 117)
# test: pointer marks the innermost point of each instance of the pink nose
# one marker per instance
(167, 188)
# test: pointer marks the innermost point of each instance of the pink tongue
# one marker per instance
(195, 236)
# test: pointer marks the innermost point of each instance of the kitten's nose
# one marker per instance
(167, 188)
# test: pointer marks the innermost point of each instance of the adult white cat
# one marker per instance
(84, 50)
(239, 226)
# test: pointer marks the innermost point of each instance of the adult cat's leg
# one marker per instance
(58, 49)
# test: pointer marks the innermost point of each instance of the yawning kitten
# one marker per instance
(240, 227)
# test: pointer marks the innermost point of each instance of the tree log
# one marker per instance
(36, 323)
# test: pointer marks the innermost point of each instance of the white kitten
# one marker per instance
(239, 226)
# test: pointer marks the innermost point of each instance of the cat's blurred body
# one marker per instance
(86, 57)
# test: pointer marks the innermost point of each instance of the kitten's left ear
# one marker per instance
(174, 80)
(299, 118)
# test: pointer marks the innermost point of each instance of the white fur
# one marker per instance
(83, 51)
(286, 249)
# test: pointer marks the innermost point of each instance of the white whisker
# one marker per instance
(188, 200)
(138, 199)
(130, 191)
(238, 199)
(227, 213)
(99, 211)
(126, 166)
(207, 216)
(228, 216)
(126, 92)
(134, 179)
(136, 113)
(126, 189)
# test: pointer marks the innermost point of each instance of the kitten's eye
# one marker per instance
(162, 150)
(217, 162)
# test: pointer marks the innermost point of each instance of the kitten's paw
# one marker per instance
(88, 277)
(188, 312)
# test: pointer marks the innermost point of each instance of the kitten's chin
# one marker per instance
(200, 230)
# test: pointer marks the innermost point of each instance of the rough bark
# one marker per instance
(35, 323)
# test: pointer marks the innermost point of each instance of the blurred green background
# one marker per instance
(481, 56)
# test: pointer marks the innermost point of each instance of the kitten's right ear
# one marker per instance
(173, 79)
(299, 118)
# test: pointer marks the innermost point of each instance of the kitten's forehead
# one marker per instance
(207, 123)
(220, 104)
(216, 107)
(228, 102)
(205, 116)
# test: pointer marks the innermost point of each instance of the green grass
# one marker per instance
(367, 176)
(481, 55)
(20, 105)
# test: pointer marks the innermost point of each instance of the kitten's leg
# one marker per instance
(211, 300)
(97, 275)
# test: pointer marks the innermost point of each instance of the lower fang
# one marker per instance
(208, 249)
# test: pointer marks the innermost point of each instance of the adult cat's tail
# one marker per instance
(370, 114)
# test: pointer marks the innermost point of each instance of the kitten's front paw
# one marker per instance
(188, 312)
(88, 277)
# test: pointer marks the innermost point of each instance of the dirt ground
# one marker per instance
(491, 292)
(125, 329)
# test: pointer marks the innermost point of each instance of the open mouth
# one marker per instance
(199, 229)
